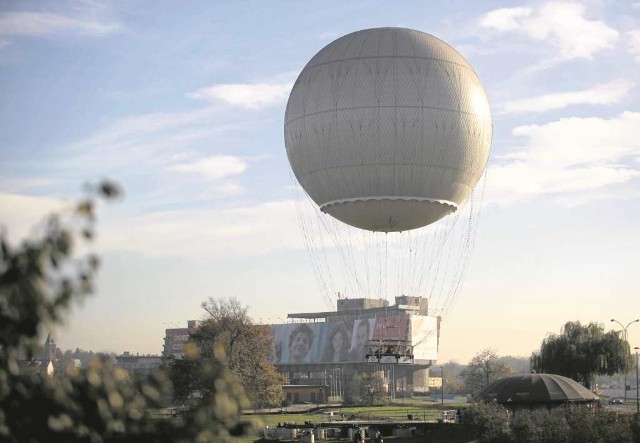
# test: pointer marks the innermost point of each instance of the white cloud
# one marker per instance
(254, 96)
(562, 23)
(211, 233)
(20, 184)
(38, 24)
(505, 19)
(605, 94)
(153, 140)
(634, 43)
(228, 189)
(214, 167)
(144, 141)
(20, 213)
(129, 131)
(215, 233)
(568, 157)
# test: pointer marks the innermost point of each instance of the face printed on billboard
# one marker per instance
(336, 343)
(296, 343)
(300, 341)
(362, 329)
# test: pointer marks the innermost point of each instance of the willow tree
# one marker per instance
(582, 351)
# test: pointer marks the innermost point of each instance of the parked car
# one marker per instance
(615, 401)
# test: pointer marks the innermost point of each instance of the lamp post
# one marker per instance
(442, 387)
(637, 401)
(624, 328)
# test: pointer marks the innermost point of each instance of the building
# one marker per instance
(176, 339)
(400, 342)
(49, 353)
(140, 364)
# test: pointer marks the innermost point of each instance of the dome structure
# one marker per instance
(530, 389)
(388, 129)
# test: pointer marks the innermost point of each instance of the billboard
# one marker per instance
(344, 340)
(174, 342)
(424, 337)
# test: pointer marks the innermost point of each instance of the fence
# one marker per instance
(432, 415)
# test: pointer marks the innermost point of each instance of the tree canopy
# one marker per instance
(227, 329)
(484, 368)
(582, 351)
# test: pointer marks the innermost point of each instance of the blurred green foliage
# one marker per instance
(39, 281)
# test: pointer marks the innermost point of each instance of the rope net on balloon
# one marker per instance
(429, 262)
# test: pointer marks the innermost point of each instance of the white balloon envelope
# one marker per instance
(388, 129)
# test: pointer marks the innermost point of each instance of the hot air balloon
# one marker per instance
(388, 131)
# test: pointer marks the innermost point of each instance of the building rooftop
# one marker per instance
(373, 307)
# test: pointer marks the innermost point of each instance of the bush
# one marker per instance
(488, 422)
(540, 425)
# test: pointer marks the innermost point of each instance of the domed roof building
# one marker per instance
(536, 390)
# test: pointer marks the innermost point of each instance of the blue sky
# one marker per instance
(183, 104)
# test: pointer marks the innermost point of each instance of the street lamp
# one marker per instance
(442, 387)
(624, 328)
(637, 402)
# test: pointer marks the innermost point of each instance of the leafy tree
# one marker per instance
(247, 348)
(372, 387)
(39, 280)
(453, 380)
(580, 352)
(517, 365)
(365, 387)
(484, 368)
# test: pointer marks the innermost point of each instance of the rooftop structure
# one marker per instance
(368, 307)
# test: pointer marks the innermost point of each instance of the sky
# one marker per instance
(182, 103)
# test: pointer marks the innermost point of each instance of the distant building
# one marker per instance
(140, 364)
(305, 393)
(176, 339)
(35, 367)
(49, 351)
(45, 363)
